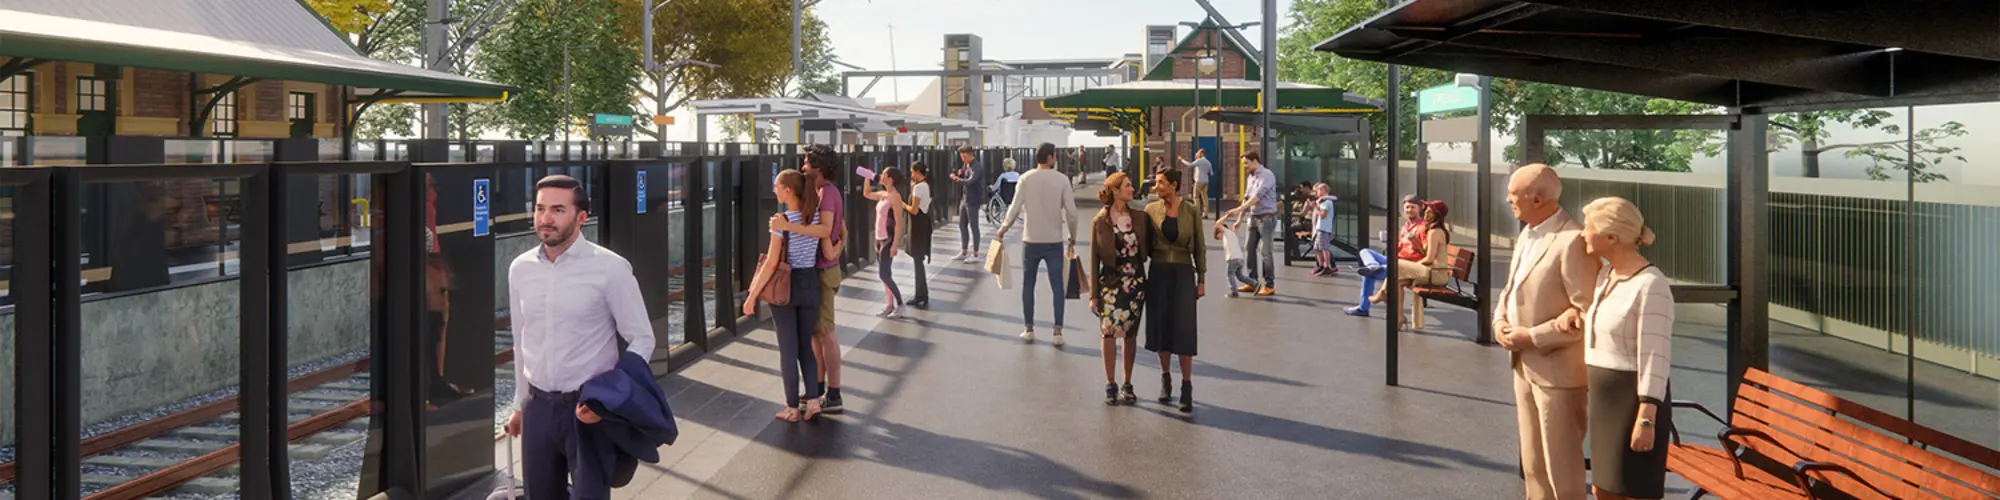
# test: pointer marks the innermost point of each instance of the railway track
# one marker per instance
(194, 451)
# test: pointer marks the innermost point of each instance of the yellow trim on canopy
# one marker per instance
(442, 100)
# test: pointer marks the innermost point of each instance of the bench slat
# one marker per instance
(1936, 440)
(1712, 470)
(1863, 447)
(1791, 449)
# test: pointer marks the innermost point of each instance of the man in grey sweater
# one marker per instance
(1046, 199)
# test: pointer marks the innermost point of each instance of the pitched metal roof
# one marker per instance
(867, 119)
(272, 39)
(1761, 56)
(1235, 93)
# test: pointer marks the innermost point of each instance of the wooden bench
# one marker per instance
(1799, 442)
(1459, 290)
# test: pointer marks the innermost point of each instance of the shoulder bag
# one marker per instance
(778, 290)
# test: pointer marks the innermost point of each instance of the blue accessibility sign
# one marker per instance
(482, 199)
(642, 191)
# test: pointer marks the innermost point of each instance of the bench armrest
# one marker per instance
(1734, 448)
(1803, 473)
(1682, 403)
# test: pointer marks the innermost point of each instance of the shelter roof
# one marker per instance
(1183, 92)
(865, 118)
(270, 39)
(1760, 56)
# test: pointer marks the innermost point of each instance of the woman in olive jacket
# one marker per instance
(1173, 282)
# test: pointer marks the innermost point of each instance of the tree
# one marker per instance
(528, 54)
(750, 39)
(379, 29)
(1810, 131)
(1313, 21)
(820, 75)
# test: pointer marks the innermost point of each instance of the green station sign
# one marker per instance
(1444, 98)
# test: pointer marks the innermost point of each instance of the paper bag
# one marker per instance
(996, 263)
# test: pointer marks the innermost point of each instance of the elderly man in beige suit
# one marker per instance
(1548, 282)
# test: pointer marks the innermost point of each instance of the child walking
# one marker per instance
(1229, 230)
(890, 217)
(1323, 231)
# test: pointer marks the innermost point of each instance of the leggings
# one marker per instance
(968, 227)
(795, 329)
(885, 267)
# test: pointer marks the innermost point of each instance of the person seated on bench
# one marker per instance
(1421, 258)
(1628, 343)
(1413, 228)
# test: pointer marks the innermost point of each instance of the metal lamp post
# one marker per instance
(1215, 53)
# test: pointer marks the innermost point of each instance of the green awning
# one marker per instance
(1235, 94)
(274, 40)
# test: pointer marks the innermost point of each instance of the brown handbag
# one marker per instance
(778, 290)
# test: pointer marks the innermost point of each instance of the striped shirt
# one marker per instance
(804, 250)
(1631, 327)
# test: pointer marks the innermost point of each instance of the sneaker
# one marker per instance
(1267, 291)
(1125, 395)
(896, 313)
(1246, 288)
(1355, 311)
(831, 403)
(885, 312)
(1233, 294)
(1110, 394)
(1058, 342)
(1028, 336)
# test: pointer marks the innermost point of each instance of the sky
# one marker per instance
(1010, 29)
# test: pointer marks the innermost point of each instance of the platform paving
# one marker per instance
(1291, 403)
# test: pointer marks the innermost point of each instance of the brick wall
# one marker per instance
(1188, 62)
(329, 105)
(271, 100)
(63, 88)
(186, 213)
(160, 94)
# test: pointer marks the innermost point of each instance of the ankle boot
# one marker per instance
(1166, 388)
(1187, 396)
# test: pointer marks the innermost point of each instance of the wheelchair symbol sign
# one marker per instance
(482, 220)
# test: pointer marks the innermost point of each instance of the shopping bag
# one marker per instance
(996, 263)
(1073, 286)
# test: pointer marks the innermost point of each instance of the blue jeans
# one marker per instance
(1261, 251)
(1050, 255)
(1372, 270)
(1236, 276)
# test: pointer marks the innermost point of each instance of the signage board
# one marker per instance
(604, 119)
(1445, 98)
(482, 219)
(642, 191)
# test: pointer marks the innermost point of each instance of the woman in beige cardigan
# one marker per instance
(1628, 338)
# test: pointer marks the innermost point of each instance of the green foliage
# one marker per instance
(528, 54)
(1809, 130)
(820, 75)
(387, 120)
(1916, 157)
(1313, 21)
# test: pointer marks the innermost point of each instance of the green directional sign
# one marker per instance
(620, 120)
(1444, 98)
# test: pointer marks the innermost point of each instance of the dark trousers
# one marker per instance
(968, 227)
(552, 458)
(796, 323)
(923, 284)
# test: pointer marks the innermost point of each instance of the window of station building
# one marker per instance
(17, 104)
(224, 116)
(299, 106)
(92, 94)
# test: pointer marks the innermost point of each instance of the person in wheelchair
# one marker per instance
(1001, 194)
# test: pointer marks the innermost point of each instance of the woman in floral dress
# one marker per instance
(1119, 242)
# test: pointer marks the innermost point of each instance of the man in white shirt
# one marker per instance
(1550, 274)
(1200, 166)
(1048, 202)
(571, 301)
